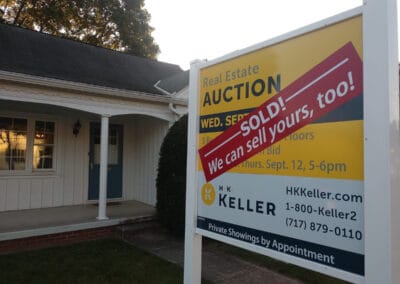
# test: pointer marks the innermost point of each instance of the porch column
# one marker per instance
(103, 168)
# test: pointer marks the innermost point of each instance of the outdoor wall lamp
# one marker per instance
(76, 128)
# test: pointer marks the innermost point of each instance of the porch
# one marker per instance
(47, 221)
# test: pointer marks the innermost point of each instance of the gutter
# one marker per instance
(170, 105)
(88, 88)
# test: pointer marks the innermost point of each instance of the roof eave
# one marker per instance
(88, 88)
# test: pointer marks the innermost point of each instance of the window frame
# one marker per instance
(35, 144)
(26, 146)
(30, 136)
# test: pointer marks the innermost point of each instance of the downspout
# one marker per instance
(171, 106)
(174, 110)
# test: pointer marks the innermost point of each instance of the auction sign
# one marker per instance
(280, 148)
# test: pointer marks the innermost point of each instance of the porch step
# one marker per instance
(151, 224)
(129, 228)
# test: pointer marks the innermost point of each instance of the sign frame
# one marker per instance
(381, 142)
(193, 235)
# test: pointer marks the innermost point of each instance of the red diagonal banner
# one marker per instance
(325, 87)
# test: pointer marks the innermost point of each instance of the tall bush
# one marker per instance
(171, 178)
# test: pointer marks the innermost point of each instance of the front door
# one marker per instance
(114, 177)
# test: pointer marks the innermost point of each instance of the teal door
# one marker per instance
(114, 169)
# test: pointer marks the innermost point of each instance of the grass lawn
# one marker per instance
(104, 261)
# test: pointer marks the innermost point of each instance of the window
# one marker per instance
(26, 145)
(43, 145)
(13, 141)
(113, 143)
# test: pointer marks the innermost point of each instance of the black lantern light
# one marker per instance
(76, 128)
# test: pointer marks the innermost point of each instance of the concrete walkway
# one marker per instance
(217, 266)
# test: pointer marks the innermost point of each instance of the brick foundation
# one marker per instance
(38, 242)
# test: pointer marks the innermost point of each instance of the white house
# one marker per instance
(78, 122)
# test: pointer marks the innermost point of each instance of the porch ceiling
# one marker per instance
(90, 102)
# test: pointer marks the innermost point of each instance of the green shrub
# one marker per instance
(171, 178)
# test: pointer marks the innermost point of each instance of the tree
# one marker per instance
(121, 25)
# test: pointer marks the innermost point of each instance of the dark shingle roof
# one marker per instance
(175, 83)
(38, 54)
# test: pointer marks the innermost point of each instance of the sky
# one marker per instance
(187, 30)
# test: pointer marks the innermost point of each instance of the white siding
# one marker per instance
(36, 193)
(47, 193)
(12, 195)
(58, 192)
(3, 194)
(68, 183)
(143, 138)
(75, 164)
(24, 198)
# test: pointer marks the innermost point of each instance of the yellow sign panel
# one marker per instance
(331, 147)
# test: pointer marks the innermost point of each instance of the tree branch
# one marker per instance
(3, 11)
(15, 22)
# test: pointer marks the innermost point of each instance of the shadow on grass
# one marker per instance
(103, 261)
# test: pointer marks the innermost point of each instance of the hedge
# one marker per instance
(171, 178)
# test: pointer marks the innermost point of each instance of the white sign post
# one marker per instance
(295, 154)
(381, 145)
(193, 241)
